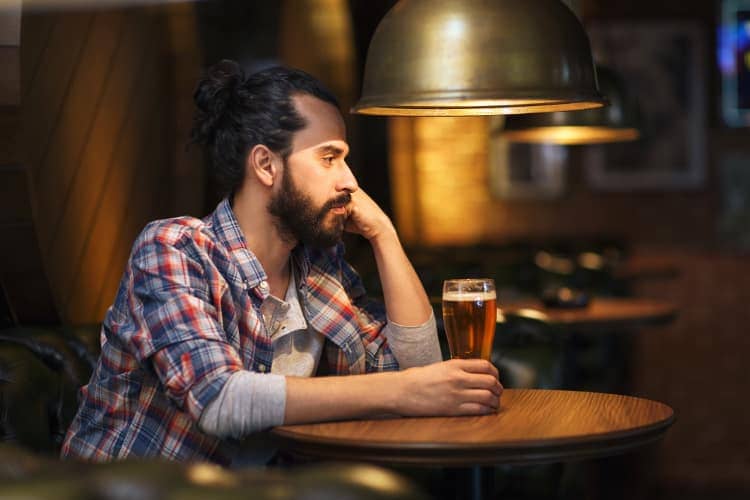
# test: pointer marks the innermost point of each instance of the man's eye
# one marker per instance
(328, 159)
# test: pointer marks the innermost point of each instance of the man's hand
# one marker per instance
(447, 388)
(455, 387)
(365, 217)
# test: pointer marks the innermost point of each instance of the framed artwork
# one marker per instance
(521, 171)
(663, 65)
(733, 57)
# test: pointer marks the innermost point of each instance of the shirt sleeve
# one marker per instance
(249, 402)
(177, 330)
(414, 345)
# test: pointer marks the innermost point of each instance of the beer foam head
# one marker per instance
(458, 296)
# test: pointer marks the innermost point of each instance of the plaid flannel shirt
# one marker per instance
(186, 316)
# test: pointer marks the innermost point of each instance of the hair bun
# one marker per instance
(214, 95)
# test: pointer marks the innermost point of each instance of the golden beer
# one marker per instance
(469, 317)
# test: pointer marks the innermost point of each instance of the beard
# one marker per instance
(298, 220)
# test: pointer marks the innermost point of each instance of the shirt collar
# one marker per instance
(229, 234)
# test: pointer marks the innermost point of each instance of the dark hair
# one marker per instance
(234, 113)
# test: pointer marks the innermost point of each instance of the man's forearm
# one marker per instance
(251, 402)
(319, 399)
(456, 387)
(405, 299)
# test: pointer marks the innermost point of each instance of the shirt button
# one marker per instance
(262, 368)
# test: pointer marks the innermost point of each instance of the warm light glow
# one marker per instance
(450, 37)
(376, 479)
(317, 37)
(571, 135)
(473, 107)
(455, 28)
(500, 317)
(331, 25)
(591, 260)
(98, 161)
(210, 475)
(552, 263)
(531, 314)
(439, 178)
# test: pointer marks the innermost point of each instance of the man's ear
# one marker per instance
(261, 164)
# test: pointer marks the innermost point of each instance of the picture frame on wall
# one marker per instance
(520, 171)
(663, 65)
(733, 58)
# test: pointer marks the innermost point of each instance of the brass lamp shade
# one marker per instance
(478, 57)
(617, 122)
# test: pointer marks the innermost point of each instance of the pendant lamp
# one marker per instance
(478, 57)
(617, 122)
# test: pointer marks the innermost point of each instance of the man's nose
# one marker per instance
(347, 182)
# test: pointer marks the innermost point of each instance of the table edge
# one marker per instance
(614, 323)
(519, 452)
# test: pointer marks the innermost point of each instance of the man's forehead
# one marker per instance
(324, 124)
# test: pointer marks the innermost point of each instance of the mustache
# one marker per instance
(340, 201)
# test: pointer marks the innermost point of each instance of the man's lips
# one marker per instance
(338, 206)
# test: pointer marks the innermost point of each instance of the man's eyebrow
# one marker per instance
(329, 149)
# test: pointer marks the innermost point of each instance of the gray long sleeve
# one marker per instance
(414, 345)
(249, 402)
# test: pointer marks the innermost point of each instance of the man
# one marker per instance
(220, 325)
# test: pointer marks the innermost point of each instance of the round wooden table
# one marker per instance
(533, 426)
(609, 313)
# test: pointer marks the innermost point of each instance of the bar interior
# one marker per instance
(616, 236)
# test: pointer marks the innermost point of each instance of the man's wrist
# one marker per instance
(386, 232)
(395, 392)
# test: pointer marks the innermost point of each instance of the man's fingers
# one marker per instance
(483, 381)
(476, 366)
(482, 397)
(475, 409)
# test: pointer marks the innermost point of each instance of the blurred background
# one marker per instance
(95, 113)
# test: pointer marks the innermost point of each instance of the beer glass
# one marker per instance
(469, 316)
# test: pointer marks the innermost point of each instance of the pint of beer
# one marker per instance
(469, 315)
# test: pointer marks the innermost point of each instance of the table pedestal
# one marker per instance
(474, 483)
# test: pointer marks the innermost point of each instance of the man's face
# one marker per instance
(300, 219)
(310, 203)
